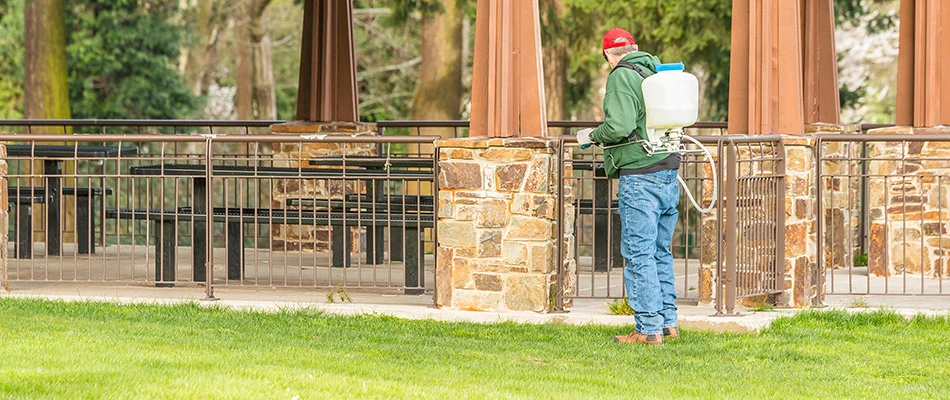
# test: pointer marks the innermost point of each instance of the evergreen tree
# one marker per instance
(122, 57)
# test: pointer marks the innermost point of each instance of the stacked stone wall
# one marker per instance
(802, 276)
(298, 154)
(712, 238)
(841, 185)
(497, 229)
(909, 205)
(758, 222)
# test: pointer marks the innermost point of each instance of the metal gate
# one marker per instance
(735, 251)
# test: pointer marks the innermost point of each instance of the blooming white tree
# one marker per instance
(867, 65)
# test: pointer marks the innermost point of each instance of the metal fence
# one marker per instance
(191, 202)
(736, 251)
(883, 213)
(754, 225)
(234, 209)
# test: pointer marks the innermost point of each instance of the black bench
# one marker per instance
(376, 199)
(606, 214)
(22, 219)
(383, 205)
(53, 157)
(166, 237)
(198, 173)
(86, 205)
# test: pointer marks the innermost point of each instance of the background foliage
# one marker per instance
(121, 58)
(11, 59)
(125, 56)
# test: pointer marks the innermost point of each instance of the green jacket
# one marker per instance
(625, 114)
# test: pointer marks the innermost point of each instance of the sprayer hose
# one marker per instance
(714, 178)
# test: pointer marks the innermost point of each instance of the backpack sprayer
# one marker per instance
(671, 98)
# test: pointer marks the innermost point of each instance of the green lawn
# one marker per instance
(97, 350)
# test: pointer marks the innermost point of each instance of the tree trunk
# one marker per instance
(255, 74)
(201, 60)
(439, 91)
(45, 90)
(264, 88)
(244, 96)
(554, 53)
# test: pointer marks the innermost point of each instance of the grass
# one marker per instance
(861, 260)
(858, 302)
(620, 307)
(762, 307)
(97, 350)
(760, 304)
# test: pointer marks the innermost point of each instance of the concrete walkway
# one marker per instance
(585, 311)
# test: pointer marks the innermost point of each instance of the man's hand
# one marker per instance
(583, 137)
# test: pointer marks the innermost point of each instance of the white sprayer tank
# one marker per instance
(671, 98)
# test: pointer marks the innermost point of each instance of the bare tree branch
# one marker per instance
(396, 67)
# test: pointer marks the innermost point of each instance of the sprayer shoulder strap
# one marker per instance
(634, 137)
(635, 67)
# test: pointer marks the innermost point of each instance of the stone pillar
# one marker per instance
(841, 187)
(297, 154)
(4, 222)
(909, 205)
(497, 229)
(803, 277)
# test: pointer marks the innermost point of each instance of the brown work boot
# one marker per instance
(671, 333)
(639, 338)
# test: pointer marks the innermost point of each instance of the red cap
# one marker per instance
(617, 38)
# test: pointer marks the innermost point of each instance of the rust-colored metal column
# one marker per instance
(766, 75)
(327, 86)
(922, 75)
(822, 103)
(739, 68)
(776, 83)
(507, 75)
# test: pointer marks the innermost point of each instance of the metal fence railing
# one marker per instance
(226, 202)
(754, 225)
(239, 209)
(884, 214)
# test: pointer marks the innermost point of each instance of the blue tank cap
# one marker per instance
(670, 67)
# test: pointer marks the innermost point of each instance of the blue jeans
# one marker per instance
(648, 217)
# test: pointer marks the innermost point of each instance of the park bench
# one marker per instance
(606, 214)
(166, 237)
(378, 205)
(24, 197)
(22, 218)
(374, 211)
(54, 157)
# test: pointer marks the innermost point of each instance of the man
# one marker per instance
(647, 193)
